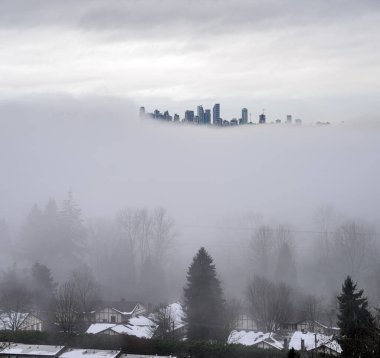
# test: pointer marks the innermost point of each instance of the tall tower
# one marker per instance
(189, 116)
(244, 116)
(200, 114)
(207, 117)
(289, 119)
(216, 114)
(262, 118)
(142, 112)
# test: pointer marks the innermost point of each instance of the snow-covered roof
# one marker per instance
(313, 340)
(31, 350)
(137, 331)
(250, 338)
(99, 327)
(141, 321)
(177, 314)
(140, 326)
(327, 327)
(89, 353)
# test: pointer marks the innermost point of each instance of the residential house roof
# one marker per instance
(31, 350)
(89, 353)
(123, 307)
(250, 338)
(313, 340)
(139, 326)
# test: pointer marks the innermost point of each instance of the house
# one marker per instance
(245, 322)
(19, 350)
(314, 342)
(117, 311)
(258, 339)
(15, 321)
(309, 326)
(141, 327)
(90, 353)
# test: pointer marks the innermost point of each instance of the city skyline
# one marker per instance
(205, 116)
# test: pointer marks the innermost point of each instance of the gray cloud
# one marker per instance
(218, 16)
(299, 56)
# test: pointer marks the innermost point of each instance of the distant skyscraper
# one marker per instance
(207, 117)
(189, 116)
(244, 116)
(289, 119)
(167, 116)
(176, 118)
(262, 118)
(200, 114)
(142, 112)
(216, 114)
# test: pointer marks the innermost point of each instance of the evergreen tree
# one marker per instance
(359, 336)
(204, 303)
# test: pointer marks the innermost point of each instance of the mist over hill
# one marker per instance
(218, 186)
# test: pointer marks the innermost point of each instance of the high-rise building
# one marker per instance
(142, 112)
(189, 116)
(244, 116)
(157, 114)
(176, 117)
(200, 114)
(216, 114)
(289, 119)
(207, 117)
(167, 116)
(262, 118)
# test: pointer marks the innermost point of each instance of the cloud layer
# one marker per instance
(312, 59)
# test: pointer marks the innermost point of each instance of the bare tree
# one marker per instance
(15, 300)
(163, 233)
(67, 308)
(324, 219)
(15, 304)
(86, 291)
(232, 310)
(269, 303)
(146, 237)
(353, 242)
(262, 245)
(311, 308)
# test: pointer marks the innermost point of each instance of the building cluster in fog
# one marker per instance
(203, 116)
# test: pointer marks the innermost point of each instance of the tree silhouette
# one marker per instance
(204, 300)
(359, 336)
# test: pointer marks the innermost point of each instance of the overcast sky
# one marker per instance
(314, 59)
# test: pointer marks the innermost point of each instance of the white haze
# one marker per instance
(205, 177)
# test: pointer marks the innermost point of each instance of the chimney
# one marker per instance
(302, 344)
(286, 344)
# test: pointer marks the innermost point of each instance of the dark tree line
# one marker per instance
(359, 335)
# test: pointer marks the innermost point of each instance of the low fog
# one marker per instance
(251, 195)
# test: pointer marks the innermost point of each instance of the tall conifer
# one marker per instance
(359, 336)
(204, 300)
